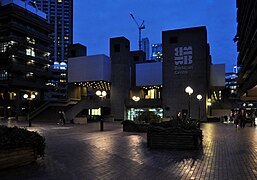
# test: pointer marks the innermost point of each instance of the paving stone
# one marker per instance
(84, 152)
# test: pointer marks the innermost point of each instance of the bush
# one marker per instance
(14, 137)
(128, 122)
(131, 126)
(178, 125)
(148, 117)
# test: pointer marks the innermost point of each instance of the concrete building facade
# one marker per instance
(160, 86)
(186, 62)
(24, 57)
(247, 47)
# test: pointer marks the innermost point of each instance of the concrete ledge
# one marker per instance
(16, 157)
(80, 120)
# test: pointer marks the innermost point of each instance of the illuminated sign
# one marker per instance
(183, 59)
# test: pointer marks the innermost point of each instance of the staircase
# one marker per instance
(85, 104)
(49, 111)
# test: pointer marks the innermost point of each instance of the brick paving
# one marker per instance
(83, 152)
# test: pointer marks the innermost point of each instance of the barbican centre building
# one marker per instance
(133, 84)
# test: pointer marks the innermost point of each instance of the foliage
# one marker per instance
(131, 126)
(14, 137)
(178, 125)
(147, 117)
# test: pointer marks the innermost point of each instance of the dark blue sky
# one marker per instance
(96, 21)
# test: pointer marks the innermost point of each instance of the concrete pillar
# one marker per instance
(120, 63)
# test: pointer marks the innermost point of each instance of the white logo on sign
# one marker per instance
(183, 55)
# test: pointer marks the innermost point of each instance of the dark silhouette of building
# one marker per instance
(76, 50)
(246, 39)
(24, 54)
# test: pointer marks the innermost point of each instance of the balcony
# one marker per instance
(28, 31)
(38, 70)
(28, 84)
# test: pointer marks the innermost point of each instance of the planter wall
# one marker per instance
(173, 139)
(16, 157)
(127, 127)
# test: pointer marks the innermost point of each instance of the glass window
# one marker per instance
(30, 52)
(95, 112)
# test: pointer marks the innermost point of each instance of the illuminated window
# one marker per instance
(5, 45)
(63, 75)
(220, 95)
(132, 113)
(30, 52)
(95, 112)
(30, 40)
(59, 1)
(4, 75)
(151, 94)
(30, 74)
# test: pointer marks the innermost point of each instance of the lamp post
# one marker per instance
(29, 99)
(199, 97)
(189, 91)
(209, 106)
(135, 98)
(101, 94)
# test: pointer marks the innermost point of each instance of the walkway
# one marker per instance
(83, 152)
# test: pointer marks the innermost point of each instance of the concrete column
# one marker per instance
(120, 63)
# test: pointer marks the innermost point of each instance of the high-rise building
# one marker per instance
(157, 52)
(247, 47)
(60, 15)
(24, 57)
(145, 47)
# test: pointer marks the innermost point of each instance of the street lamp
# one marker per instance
(135, 98)
(189, 91)
(101, 94)
(209, 106)
(199, 97)
(29, 99)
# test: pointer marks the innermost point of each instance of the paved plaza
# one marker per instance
(83, 152)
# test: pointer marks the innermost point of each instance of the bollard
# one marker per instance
(101, 124)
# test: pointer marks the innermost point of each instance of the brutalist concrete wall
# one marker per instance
(186, 62)
(136, 57)
(120, 64)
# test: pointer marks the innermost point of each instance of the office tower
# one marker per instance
(60, 16)
(145, 47)
(24, 57)
(157, 52)
(246, 46)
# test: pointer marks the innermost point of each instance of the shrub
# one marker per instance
(148, 117)
(14, 137)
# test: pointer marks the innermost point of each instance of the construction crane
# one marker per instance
(140, 27)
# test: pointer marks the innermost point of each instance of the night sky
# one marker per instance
(96, 21)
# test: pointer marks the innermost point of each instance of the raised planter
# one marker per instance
(19, 147)
(17, 157)
(130, 126)
(173, 138)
